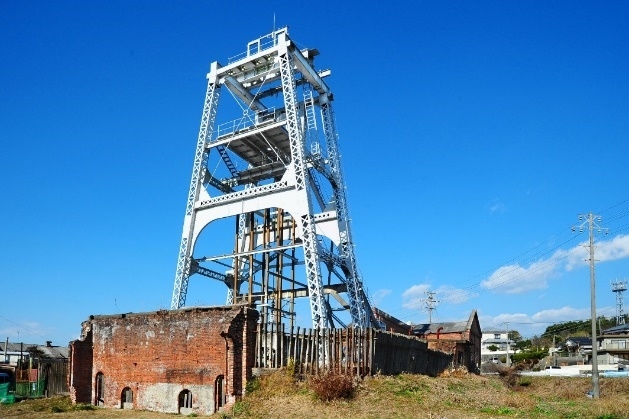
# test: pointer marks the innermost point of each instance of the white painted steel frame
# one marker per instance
(290, 193)
(208, 116)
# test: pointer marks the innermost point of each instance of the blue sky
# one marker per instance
(472, 134)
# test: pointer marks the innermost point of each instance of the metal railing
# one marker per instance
(247, 121)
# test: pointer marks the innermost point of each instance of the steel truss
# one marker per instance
(266, 169)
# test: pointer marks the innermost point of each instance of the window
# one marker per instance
(185, 400)
(496, 335)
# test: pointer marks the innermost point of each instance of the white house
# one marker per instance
(495, 338)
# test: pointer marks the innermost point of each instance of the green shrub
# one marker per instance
(241, 408)
(253, 385)
(292, 367)
(532, 355)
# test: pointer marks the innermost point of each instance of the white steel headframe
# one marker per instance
(268, 180)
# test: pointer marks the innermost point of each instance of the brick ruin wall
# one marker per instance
(158, 355)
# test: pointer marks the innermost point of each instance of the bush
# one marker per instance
(252, 385)
(529, 356)
(332, 386)
(509, 376)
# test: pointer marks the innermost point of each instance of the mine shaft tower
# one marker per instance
(269, 177)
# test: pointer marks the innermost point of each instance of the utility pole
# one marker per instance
(507, 357)
(430, 304)
(590, 219)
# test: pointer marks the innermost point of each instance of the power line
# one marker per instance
(565, 237)
(23, 328)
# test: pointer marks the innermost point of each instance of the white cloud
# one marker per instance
(449, 294)
(517, 279)
(379, 295)
(415, 297)
(614, 249)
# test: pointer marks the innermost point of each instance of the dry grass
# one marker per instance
(453, 395)
(332, 386)
(456, 395)
(60, 407)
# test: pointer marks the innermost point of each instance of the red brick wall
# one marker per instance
(159, 354)
(80, 371)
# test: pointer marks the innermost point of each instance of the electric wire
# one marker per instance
(32, 332)
(476, 286)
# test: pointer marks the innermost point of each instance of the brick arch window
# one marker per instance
(99, 385)
(126, 398)
(185, 400)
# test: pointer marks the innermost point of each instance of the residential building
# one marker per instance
(613, 346)
(496, 346)
(35, 370)
(579, 345)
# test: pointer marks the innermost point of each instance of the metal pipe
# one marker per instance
(439, 330)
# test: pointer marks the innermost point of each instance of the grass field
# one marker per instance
(405, 396)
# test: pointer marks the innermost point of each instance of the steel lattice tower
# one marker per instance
(269, 177)
(618, 288)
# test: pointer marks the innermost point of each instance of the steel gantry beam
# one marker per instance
(262, 165)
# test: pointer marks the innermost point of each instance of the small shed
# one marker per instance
(462, 339)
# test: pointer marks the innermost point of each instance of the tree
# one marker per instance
(493, 348)
(523, 344)
(578, 327)
(515, 336)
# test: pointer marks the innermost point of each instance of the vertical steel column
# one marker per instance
(355, 291)
(306, 220)
(182, 273)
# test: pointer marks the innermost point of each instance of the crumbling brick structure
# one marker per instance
(194, 360)
(461, 339)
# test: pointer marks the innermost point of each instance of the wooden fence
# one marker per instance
(346, 351)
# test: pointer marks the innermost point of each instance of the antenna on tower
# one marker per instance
(619, 287)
